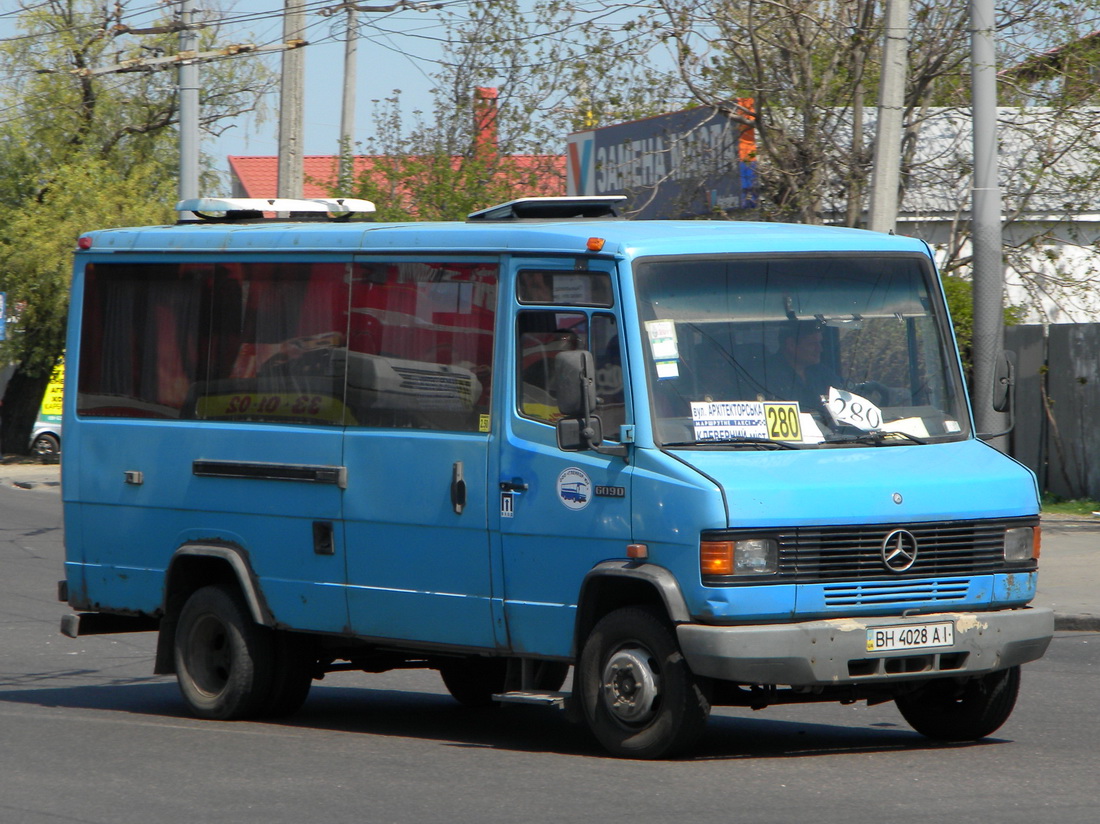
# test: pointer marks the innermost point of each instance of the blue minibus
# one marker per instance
(632, 469)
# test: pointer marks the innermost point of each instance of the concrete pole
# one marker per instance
(291, 172)
(347, 110)
(188, 79)
(986, 211)
(886, 172)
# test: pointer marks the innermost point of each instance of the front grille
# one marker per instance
(854, 553)
(889, 592)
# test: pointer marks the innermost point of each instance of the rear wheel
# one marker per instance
(224, 660)
(639, 697)
(292, 676)
(949, 709)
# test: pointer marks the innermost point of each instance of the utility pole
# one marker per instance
(347, 110)
(985, 216)
(886, 172)
(189, 107)
(291, 173)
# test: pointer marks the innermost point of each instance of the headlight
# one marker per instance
(1022, 543)
(753, 556)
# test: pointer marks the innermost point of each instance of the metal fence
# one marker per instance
(1057, 404)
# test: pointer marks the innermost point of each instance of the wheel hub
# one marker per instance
(630, 685)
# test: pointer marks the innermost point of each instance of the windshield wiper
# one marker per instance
(765, 442)
(878, 438)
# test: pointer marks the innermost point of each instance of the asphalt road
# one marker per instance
(88, 734)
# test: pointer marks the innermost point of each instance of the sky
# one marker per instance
(396, 50)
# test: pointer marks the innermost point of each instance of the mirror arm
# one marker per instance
(620, 450)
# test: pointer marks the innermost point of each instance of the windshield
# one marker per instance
(797, 352)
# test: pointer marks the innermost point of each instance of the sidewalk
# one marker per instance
(1069, 571)
(36, 476)
(1069, 567)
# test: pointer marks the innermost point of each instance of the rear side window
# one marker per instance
(394, 344)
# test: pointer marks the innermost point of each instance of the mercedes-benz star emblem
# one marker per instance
(899, 550)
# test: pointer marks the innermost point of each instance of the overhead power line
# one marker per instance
(146, 64)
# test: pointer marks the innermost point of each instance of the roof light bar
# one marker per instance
(255, 206)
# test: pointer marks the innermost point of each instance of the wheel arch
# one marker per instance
(614, 584)
(195, 565)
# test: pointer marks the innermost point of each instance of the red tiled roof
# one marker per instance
(257, 176)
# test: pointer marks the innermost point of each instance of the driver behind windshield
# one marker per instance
(795, 372)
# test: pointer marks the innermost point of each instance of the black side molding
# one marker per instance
(257, 470)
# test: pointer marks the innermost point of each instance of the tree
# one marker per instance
(82, 150)
(812, 67)
(554, 73)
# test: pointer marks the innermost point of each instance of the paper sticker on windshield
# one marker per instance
(728, 420)
(667, 369)
(855, 410)
(662, 340)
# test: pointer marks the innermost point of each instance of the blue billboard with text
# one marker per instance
(693, 163)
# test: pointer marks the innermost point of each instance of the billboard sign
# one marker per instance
(692, 163)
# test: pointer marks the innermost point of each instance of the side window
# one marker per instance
(542, 336)
(277, 338)
(564, 288)
(611, 400)
(141, 347)
(241, 341)
(420, 347)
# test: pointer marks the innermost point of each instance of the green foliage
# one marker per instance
(37, 242)
(1054, 505)
(83, 147)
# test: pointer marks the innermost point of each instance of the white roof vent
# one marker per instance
(552, 208)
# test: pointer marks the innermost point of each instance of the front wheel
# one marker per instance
(948, 709)
(639, 697)
(224, 660)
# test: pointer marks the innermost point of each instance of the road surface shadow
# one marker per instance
(437, 717)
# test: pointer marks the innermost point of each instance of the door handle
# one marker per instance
(458, 488)
(514, 485)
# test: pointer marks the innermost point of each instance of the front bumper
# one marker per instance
(834, 651)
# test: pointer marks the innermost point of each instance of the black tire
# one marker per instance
(47, 447)
(291, 678)
(474, 681)
(224, 660)
(639, 697)
(949, 709)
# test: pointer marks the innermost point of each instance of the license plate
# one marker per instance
(911, 636)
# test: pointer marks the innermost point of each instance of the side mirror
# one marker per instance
(577, 434)
(575, 390)
(574, 383)
(1004, 392)
(1004, 382)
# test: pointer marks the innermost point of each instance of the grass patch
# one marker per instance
(1054, 505)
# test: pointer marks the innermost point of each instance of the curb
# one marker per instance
(1076, 622)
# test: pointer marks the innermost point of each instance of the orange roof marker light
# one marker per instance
(595, 244)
